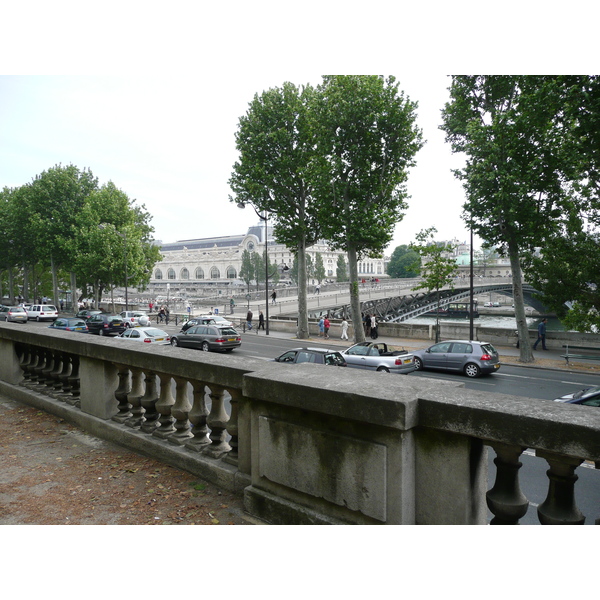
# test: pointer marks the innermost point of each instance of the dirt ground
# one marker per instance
(51, 473)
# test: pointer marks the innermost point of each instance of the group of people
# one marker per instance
(163, 314)
(261, 320)
(370, 324)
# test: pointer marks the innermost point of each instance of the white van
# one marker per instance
(42, 312)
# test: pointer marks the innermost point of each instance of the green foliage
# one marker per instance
(437, 269)
(404, 263)
(319, 268)
(532, 177)
(58, 216)
(342, 269)
(247, 268)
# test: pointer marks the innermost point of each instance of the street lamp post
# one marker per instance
(265, 219)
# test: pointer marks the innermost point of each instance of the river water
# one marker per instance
(500, 322)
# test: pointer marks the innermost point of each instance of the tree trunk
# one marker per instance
(303, 332)
(54, 283)
(525, 350)
(359, 332)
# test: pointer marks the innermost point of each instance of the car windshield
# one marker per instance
(587, 392)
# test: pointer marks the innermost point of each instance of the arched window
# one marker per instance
(231, 273)
(185, 274)
(199, 273)
(158, 274)
(171, 274)
(215, 273)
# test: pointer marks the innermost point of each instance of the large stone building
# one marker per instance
(219, 259)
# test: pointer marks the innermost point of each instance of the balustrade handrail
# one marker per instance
(279, 415)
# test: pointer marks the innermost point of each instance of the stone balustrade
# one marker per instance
(305, 443)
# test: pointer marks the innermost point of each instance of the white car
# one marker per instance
(42, 312)
(135, 318)
(147, 335)
(218, 319)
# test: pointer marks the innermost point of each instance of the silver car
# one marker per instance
(377, 356)
(462, 356)
(13, 314)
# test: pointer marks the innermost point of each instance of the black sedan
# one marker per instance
(86, 313)
(318, 356)
(103, 324)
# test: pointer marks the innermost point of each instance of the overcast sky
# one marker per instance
(151, 100)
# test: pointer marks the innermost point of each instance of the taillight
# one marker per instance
(147, 340)
(485, 357)
(398, 361)
(105, 325)
(219, 341)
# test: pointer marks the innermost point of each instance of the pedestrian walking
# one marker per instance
(274, 297)
(541, 335)
(367, 324)
(161, 314)
(321, 327)
(344, 329)
(231, 305)
(249, 320)
(150, 305)
(261, 321)
(317, 289)
(326, 326)
(374, 334)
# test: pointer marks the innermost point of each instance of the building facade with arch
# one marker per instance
(219, 259)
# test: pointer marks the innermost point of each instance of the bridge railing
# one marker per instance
(304, 449)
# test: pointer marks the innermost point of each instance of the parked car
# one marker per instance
(318, 356)
(105, 324)
(586, 397)
(13, 314)
(468, 357)
(208, 337)
(69, 324)
(219, 320)
(207, 320)
(42, 312)
(135, 318)
(87, 313)
(377, 356)
(148, 335)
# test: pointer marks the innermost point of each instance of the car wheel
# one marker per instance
(383, 370)
(174, 342)
(418, 363)
(472, 370)
(205, 347)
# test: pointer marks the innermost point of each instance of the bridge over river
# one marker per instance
(393, 301)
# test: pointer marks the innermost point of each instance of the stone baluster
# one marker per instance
(180, 411)
(44, 372)
(62, 388)
(559, 507)
(163, 406)
(148, 402)
(217, 421)
(121, 393)
(62, 366)
(36, 369)
(232, 426)
(53, 379)
(198, 416)
(74, 383)
(134, 398)
(27, 362)
(505, 500)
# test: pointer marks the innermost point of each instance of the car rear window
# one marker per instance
(155, 333)
(228, 331)
(488, 349)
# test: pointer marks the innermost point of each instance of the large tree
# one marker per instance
(519, 151)
(275, 147)
(366, 140)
